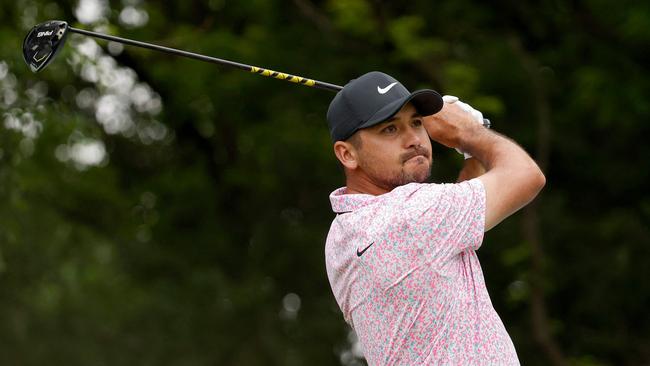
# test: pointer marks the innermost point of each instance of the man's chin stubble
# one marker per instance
(413, 177)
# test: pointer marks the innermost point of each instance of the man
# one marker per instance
(400, 253)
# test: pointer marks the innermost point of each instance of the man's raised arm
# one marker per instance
(512, 177)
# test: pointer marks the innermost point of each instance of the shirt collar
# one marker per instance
(342, 202)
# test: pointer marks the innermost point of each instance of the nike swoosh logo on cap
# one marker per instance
(386, 89)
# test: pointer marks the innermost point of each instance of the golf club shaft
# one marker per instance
(214, 60)
(253, 69)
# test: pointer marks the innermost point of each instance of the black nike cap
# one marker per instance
(373, 98)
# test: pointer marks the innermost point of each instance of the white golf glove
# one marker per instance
(478, 116)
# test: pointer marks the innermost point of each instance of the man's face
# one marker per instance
(395, 152)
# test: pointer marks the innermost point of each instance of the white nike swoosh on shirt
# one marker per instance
(386, 89)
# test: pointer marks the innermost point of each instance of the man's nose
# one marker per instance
(412, 137)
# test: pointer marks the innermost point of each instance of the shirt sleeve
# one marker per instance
(446, 219)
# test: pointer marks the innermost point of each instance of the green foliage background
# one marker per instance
(191, 241)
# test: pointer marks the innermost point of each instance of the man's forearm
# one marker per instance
(492, 149)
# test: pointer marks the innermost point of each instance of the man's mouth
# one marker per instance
(414, 154)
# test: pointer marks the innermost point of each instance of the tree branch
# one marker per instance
(312, 13)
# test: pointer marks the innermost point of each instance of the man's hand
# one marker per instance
(450, 125)
(478, 116)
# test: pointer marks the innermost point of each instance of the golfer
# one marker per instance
(401, 253)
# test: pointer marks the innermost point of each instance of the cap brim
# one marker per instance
(425, 101)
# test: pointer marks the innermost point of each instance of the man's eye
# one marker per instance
(389, 129)
(417, 122)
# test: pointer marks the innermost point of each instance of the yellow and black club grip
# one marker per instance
(295, 79)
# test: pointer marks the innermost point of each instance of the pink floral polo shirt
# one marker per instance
(404, 271)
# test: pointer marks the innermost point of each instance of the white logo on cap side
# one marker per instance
(386, 89)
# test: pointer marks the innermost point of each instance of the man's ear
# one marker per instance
(347, 154)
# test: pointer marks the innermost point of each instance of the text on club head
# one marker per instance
(44, 33)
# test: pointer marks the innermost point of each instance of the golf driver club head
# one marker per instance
(43, 42)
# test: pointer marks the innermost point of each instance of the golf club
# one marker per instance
(45, 40)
